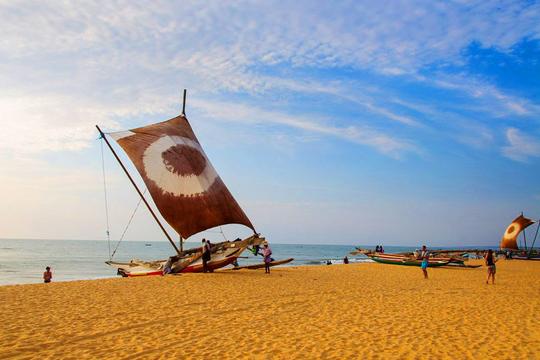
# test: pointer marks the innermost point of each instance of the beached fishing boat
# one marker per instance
(187, 191)
(453, 260)
(509, 241)
(402, 260)
(261, 265)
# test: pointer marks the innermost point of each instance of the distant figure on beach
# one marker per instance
(267, 253)
(47, 275)
(377, 249)
(328, 262)
(381, 249)
(205, 255)
(345, 260)
(424, 255)
(490, 263)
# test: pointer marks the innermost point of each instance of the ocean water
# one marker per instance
(24, 261)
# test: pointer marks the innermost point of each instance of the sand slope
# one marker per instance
(339, 311)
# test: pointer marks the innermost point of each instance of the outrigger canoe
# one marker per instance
(402, 260)
(261, 265)
(222, 254)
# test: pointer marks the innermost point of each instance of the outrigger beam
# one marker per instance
(138, 191)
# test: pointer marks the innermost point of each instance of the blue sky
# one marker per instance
(400, 122)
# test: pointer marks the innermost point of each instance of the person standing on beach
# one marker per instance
(267, 253)
(424, 255)
(490, 263)
(47, 275)
(205, 255)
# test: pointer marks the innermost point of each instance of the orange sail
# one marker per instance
(513, 230)
(184, 185)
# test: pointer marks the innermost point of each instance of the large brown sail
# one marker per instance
(183, 183)
(512, 231)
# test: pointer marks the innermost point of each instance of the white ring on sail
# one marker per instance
(512, 231)
(176, 184)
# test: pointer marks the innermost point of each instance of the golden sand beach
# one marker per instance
(341, 311)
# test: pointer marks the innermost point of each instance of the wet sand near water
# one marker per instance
(330, 312)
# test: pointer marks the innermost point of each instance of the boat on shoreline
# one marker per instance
(509, 241)
(262, 265)
(187, 192)
(397, 259)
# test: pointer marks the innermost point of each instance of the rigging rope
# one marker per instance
(111, 255)
(127, 225)
(105, 196)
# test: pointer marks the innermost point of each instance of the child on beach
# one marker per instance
(47, 275)
(490, 263)
(267, 253)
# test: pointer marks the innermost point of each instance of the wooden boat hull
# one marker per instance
(518, 257)
(223, 254)
(261, 265)
(406, 262)
(400, 259)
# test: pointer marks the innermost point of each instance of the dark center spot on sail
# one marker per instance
(511, 229)
(183, 160)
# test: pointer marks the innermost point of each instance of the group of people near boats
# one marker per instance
(489, 259)
(206, 256)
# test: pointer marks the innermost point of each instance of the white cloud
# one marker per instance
(357, 134)
(121, 53)
(520, 146)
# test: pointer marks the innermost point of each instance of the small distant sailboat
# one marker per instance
(186, 190)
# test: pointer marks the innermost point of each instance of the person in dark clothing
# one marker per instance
(345, 260)
(205, 255)
(490, 260)
(47, 275)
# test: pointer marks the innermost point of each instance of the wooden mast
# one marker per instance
(184, 115)
(139, 191)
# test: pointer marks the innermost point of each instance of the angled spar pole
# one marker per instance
(524, 236)
(535, 235)
(138, 191)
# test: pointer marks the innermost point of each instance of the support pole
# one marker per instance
(184, 103)
(524, 239)
(181, 243)
(138, 191)
(535, 235)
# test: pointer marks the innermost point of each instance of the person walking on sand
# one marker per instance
(47, 275)
(424, 256)
(205, 255)
(267, 253)
(490, 261)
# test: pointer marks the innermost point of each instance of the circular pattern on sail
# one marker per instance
(512, 231)
(178, 166)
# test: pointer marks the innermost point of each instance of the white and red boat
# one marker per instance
(186, 190)
(222, 254)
